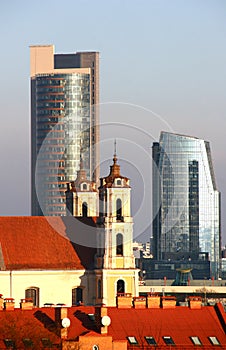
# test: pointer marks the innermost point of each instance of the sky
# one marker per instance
(162, 67)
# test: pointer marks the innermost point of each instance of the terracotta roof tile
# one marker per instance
(20, 324)
(180, 323)
(38, 243)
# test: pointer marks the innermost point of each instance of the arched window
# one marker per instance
(119, 244)
(99, 294)
(33, 293)
(84, 209)
(84, 186)
(120, 286)
(77, 296)
(119, 209)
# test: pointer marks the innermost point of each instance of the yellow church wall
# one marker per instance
(119, 262)
(54, 286)
(110, 279)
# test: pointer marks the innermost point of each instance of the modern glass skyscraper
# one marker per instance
(186, 202)
(64, 124)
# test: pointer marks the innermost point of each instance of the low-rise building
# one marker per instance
(136, 323)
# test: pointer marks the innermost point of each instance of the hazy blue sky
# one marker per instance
(168, 56)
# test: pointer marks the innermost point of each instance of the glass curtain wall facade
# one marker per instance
(186, 202)
(90, 60)
(63, 132)
(64, 124)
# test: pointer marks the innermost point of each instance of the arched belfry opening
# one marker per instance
(120, 286)
(84, 209)
(119, 244)
(119, 209)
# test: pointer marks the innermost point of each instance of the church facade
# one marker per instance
(115, 270)
(83, 258)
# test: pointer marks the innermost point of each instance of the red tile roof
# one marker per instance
(179, 323)
(20, 324)
(44, 243)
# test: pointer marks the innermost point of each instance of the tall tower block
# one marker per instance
(186, 201)
(116, 272)
(64, 115)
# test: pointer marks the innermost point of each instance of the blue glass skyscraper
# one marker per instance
(186, 202)
(64, 124)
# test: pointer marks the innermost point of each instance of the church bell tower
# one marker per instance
(115, 263)
(82, 195)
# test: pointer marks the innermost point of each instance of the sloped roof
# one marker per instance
(20, 324)
(45, 243)
(180, 323)
(40, 323)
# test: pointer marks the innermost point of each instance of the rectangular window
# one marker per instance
(77, 296)
(132, 340)
(151, 340)
(168, 340)
(196, 341)
(46, 343)
(9, 343)
(214, 340)
(28, 343)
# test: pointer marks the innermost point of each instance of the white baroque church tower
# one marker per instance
(82, 195)
(115, 270)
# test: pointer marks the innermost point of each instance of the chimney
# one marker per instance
(26, 304)
(153, 301)
(62, 321)
(168, 302)
(9, 304)
(139, 302)
(195, 302)
(102, 319)
(124, 300)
